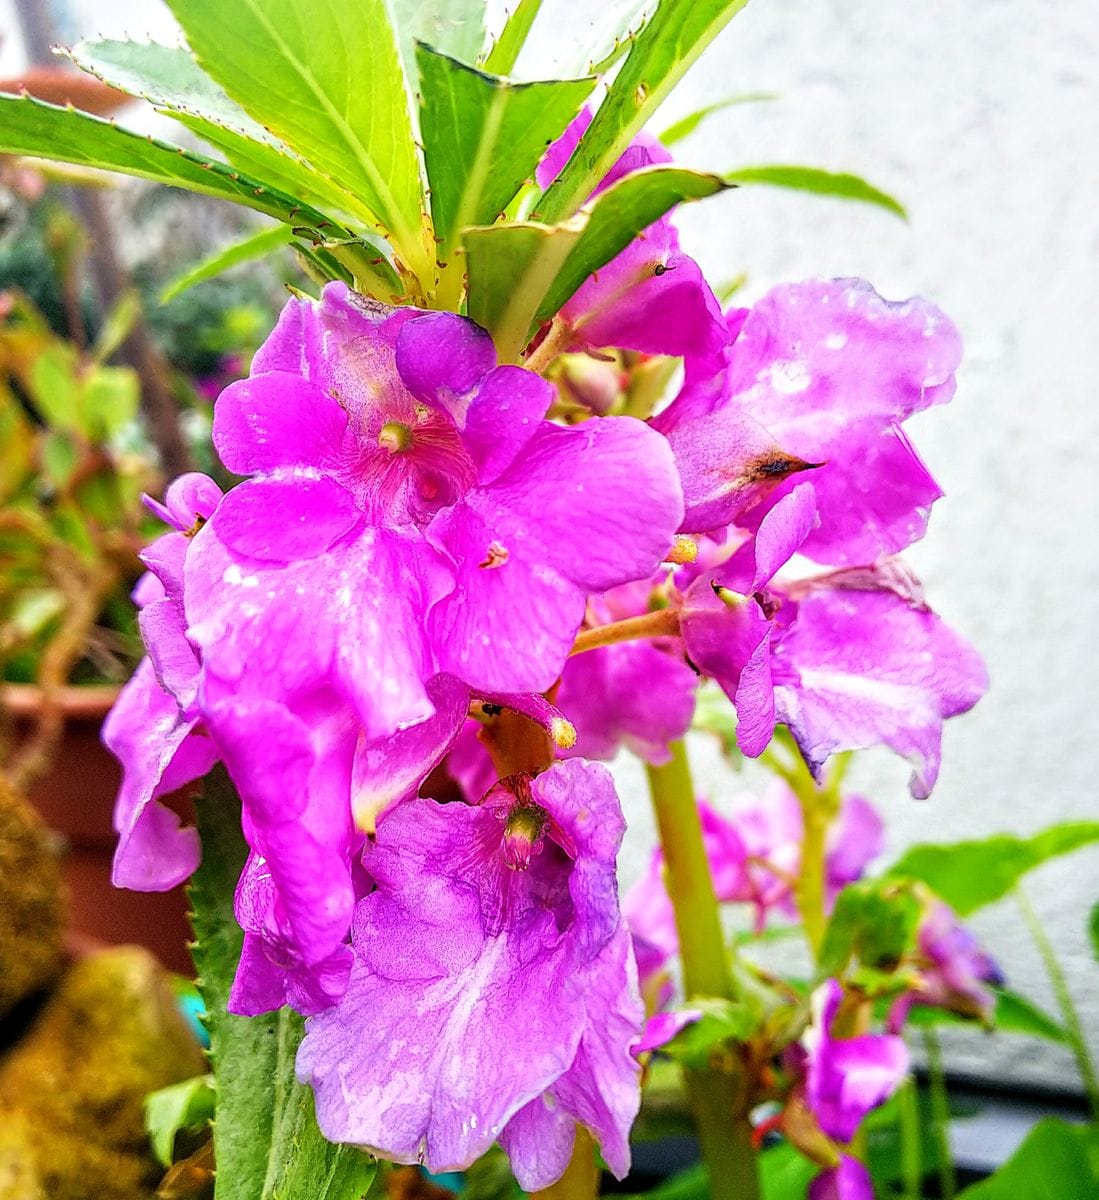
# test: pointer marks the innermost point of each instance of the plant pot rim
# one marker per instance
(74, 700)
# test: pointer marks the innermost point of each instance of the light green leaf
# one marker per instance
(605, 36)
(28, 126)
(685, 126)
(483, 136)
(111, 397)
(254, 246)
(510, 268)
(658, 58)
(523, 273)
(179, 1106)
(325, 78)
(969, 875)
(1055, 1162)
(505, 50)
(722, 1022)
(456, 27)
(820, 183)
(1093, 930)
(170, 78)
(118, 325)
(266, 1140)
(166, 76)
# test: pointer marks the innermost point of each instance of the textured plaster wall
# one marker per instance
(984, 119)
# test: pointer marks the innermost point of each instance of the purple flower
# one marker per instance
(845, 1078)
(492, 994)
(640, 695)
(651, 297)
(153, 728)
(955, 969)
(821, 373)
(850, 1180)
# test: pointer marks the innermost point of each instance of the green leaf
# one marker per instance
(522, 273)
(510, 268)
(874, 922)
(605, 36)
(658, 58)
(179, 1106)
(324, 77)
(266, 1140)
(171, 79)
(110, 399)
(505, 50)
(1013, 1014)
(166, 76)
(685, 126)
(256, 245)
(483, 136)
(28, 126)
(456, 27)
(820, 183)
(969, 875)
(1093, 930)
(722, 1021)
(1055, 1162)
(118, 325)
(784, 1174)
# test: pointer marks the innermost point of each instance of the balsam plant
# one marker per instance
(484, 538)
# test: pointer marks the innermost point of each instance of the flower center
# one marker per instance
(523, 834)
(394, 437)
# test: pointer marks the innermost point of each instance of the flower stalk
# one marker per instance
(716, 1097)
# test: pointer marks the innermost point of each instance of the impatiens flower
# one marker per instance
(492, 994)
(845, 1078)
(640, 695)
(651, 297)
(153, 727)
(955, 971)
(823, 374)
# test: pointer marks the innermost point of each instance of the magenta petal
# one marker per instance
(504, 415)
(849, 1181)
(782, 531)
(859, 667)
(538, 1141)
(441, 358)
(390, 769)
(277, 420)
(662, 1027)
(285, 520)
(145, 732)
(173, 657)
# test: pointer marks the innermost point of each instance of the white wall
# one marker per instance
(984, 119)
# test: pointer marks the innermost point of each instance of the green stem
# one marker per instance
(940, 1114)
(1069, 1015)
(719, 1107)
(581, 1178)
(911, 1148)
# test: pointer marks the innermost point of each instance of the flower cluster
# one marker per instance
(416, 539)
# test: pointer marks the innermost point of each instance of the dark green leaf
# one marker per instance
(177, 1107)
(28, 126)
(523, 273)
(784, 1174)
(325, 78)
(256, 245)
(266, 1140)
(658, 58)
(505, 50)
(969, 875)
(483, 136)
(874, 922)
(821, 183)
(685, 126)
(1057, 1161)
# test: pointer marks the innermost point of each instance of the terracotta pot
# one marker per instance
(76, 798)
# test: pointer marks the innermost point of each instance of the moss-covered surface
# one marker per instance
(72, 1091)
(32, 902)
